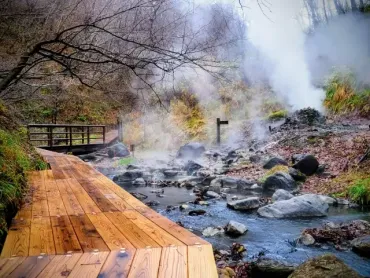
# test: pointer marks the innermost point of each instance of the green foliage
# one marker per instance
(126, 161)
(16, 158)
(360, 191)
(277, 115)
(342, 97)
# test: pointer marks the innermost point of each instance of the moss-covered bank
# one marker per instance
(16, 158)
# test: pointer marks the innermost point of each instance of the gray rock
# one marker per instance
(325, 266)
(212, 231)
(272, 162)
(307, 239)
(296, 175)
(255, 158)
(268, 268)
(279, 180)
(170, 173)
(234, 228)
(328, 200)
(212, 194)
(361, 246)
(139, 181)
(118, 150)
(245, 204)
(129, 176)
(192, 167)
(256, 187)
(191, 151)
(308, 205)
(343, 202)
(307, 164)
(281, 195)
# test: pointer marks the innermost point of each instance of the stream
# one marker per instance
(273, 237)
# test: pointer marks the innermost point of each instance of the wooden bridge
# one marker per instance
(71, 138)
(78, 223)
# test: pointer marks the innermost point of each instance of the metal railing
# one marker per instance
(53, 135)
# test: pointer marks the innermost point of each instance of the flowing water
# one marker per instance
(272, 236)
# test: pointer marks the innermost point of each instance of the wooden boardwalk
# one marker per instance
(78, 223)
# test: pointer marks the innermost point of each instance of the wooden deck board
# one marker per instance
(78, 223)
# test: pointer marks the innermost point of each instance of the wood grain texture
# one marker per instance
(145, 263)
(32, 266)
(201, 262)
(87, 204)
(174, 262)
(7, 265)
(155, 232)
(89, 265)
(17, 241)
(64, 235)
(55, 203)
(41, 237)
(137, 237)
(110, 234)
(118, 264)
(87, 235)
(61, 266)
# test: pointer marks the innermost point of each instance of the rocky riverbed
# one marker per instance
(269, 196)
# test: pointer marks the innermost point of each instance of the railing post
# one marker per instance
(51, 136)
(104, 135)
(70, 136)
(66, 135)
(83, 135)
(88, 135)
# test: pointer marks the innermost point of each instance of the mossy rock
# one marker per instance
(277, 115)
(325, 266)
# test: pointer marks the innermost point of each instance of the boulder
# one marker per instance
(255, 158)
(297, 175)
(268, 268)
(212, 231)
(245, 204)
(192, 167)
(325, 266)
(281, 195)
(212, 194)
(361, 246)
(328, 200)
(128, 176)
(139, 182)
(234, 228)
(170, 173)
(272, 162)
(307, 164)
(279, 180)
(308, 205)
(307, 239)
(118, 150)
(191, 151)
(230, 182)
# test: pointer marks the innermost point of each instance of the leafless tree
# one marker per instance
(92, 41)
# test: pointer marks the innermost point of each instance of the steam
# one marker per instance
(280, 42)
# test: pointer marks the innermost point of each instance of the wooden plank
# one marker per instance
(83, 198)
(174, 262)
(102, 202)
(145, 263)
(7, 265)
(51, 187)
(70, 201)
(155, 232)
(61, 266)
(56, 205)
(48, 175)
(137, 237)
(110, 234)
(117, 264)
(127, 197)
(171, 227)
(31, 267)
(41, 238)
(201, 262)
(17, 241)
(65, 239)
(87, 235)
(40, 204)
(89, 265)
